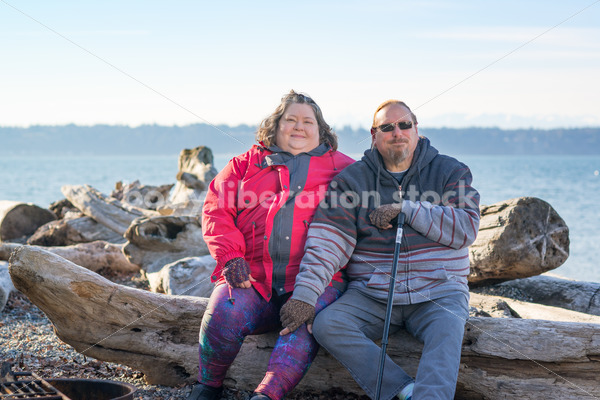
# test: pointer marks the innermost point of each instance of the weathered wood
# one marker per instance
(189, 276)
(142, 196)
(19, 220)
(504, 307)
(6, 285)
(157, 334)
(518, 238)
(105, 210)
(559, 292)
(95, 256)
(158, 241)
(66, 232)
(196, 170)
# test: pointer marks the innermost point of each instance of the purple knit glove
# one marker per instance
(383, 216)
(236, 271)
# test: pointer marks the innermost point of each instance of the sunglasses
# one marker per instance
(402, 125)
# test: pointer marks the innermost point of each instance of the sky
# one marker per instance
(508, 64)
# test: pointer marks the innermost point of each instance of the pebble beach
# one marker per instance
(28, 341)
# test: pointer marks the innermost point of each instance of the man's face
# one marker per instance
(398, 145)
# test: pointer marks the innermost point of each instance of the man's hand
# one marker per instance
(294, 313)
(383, 216)
(237, 273)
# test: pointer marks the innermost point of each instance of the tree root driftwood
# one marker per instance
(157, 334)
(196, 170)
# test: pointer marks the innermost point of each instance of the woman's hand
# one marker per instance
(237, 273)
(294, 313)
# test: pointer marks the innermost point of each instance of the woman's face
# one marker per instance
(298, 130)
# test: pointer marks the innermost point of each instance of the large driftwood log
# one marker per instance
(66, 232)
(196, 170)
(107, 211)
(157, 334)
(95, 256)
(553, 291)
(18, 220)
(518, 238)
(6, 285)
(158, 241)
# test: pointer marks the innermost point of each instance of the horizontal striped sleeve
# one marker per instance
(327, 250)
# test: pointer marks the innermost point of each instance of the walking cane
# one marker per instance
(390, 303)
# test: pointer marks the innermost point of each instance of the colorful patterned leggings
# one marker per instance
(225, 325)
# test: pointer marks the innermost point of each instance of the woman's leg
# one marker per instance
(293, 354)
(224, 327)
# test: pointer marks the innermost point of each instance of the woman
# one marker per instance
(255, 219)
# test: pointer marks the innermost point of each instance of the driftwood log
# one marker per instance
(107, 211)
(504, 307)
(95, 256)
(19, 220)
(6, 285)
(157, 334)
(517, 238)
(66, 232)
(553, 291)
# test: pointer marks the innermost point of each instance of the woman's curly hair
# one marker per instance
(268, 127)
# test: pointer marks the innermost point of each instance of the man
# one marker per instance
(355, 227)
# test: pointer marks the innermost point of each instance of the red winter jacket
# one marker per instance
(239, 217)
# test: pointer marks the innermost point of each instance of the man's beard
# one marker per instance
(397, 156)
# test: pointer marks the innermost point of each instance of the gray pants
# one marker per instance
(348, 327)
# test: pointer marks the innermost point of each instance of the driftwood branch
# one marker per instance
(157, 334)
(107, 211)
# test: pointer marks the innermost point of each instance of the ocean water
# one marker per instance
(571, 184)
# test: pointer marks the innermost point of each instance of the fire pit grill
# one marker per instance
(30, 389)
(36, 388)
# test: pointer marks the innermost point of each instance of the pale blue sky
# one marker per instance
(181, 62)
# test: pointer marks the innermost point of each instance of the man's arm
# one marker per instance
(455, 221)
(330, 242)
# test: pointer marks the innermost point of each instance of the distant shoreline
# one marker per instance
(165, 140)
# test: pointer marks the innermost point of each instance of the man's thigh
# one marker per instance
(355, 311)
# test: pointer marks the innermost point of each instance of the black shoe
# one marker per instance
(259, 396)
(205, 392)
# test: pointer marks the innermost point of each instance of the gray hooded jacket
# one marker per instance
(442, 220)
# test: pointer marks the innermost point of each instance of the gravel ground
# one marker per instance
(27, 340)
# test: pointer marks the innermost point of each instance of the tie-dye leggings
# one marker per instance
(225, 325)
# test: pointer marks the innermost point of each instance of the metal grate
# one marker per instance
(29, 389)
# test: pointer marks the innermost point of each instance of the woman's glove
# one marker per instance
(236, 272)
(294, 313)
(383, 216)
